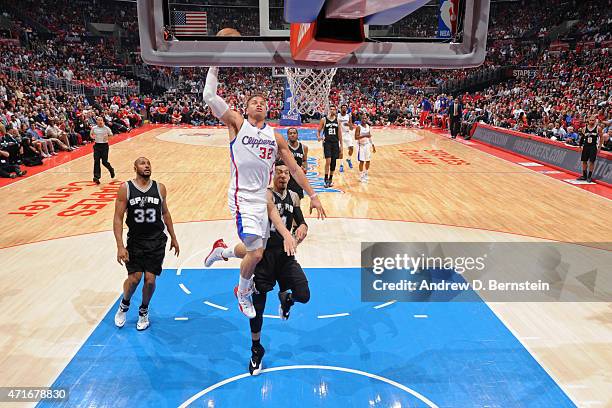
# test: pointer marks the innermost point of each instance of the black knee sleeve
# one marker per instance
(332, 164)
(301, 293)
(259, 301)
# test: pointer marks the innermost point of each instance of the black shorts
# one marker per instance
(146, 255)
(331, 150)
(276, 266)
(589, 153)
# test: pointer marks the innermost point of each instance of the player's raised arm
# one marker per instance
(218, 106)
(120, 208)
(298, 174)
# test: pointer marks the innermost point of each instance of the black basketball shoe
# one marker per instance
(255, 364)
(285, 304)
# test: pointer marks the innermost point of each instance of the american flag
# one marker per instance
(189, 23)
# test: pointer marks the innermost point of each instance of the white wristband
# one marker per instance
(313, 196)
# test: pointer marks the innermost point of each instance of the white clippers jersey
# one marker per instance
(252, 154)
(344, 121)
(364, 131)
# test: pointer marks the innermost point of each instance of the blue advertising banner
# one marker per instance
(289, 119)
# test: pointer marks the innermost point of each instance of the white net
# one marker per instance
(309, 89)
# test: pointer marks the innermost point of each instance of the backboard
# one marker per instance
(182, 33)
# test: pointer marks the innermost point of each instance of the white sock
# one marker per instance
(244, 284)
(228, 253)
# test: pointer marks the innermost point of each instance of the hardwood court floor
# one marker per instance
(60, 275)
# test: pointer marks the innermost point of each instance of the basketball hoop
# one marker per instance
(309, 89)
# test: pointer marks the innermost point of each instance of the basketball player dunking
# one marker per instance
(277, 265)
(147, 218)
(254, 147)
(591, 140)
(300, 154)
(332, 143)
(346, 123)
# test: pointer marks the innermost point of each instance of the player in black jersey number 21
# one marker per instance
(148, 217)
(332, 143)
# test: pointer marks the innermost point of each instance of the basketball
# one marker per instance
(228, 32)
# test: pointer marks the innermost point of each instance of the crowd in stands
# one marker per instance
(564, 86)
(85, 63)
(37, 122)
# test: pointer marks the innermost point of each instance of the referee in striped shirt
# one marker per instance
(100, 134)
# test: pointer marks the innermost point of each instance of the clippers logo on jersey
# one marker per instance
(255, 142)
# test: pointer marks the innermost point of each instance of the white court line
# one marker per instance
(271, 316)
(422, 316)
(311, 367)
(181, 318)
(211, 304)
(187, 291)
(385, 304)
(332, 315)
(180, 268)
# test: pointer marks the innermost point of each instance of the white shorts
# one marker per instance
(364, 152)
(348, 138)
(251, 220)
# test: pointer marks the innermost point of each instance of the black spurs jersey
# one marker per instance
(590, 137)
(144, 212)
(330, 130)
(298, 155)
(285, 206)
